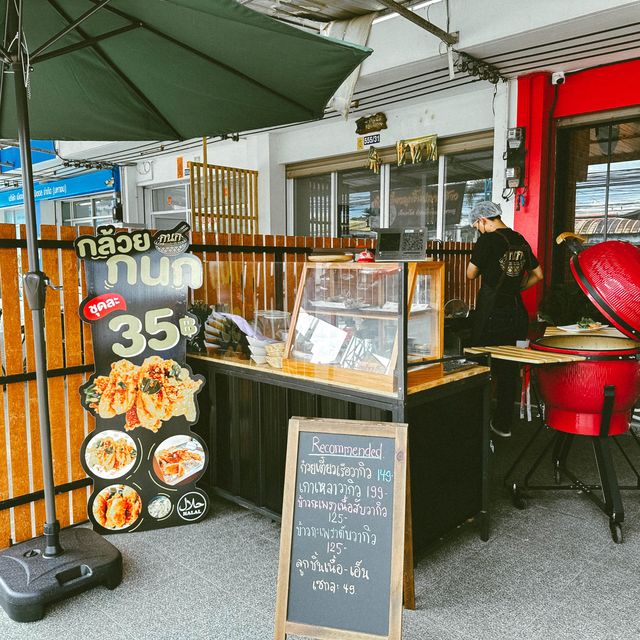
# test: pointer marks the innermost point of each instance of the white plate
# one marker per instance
(574, 328)
(108, 472)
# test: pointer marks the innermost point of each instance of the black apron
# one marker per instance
(504, 324)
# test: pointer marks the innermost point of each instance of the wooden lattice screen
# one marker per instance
(223, 199)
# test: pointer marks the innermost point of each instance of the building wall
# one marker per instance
(466, 110)
(398, 43)
(400, 49)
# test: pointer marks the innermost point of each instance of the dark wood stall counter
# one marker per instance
(245, 414)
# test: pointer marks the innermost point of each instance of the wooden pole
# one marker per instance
(408, 580)
(205, 167)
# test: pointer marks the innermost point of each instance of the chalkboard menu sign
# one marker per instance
(142, 456)
(341, 546)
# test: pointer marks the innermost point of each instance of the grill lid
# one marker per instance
(609, 273)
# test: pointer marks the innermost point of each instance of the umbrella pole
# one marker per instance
(31, 576)
(35, 288)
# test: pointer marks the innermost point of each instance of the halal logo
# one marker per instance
(192, 506)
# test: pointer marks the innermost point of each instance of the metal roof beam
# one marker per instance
(447, 38)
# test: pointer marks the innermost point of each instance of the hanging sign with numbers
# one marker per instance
(142, 456)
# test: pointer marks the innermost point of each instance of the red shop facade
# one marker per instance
(582, 163)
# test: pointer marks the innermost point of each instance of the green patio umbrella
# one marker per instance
(135, 70)
(167, 69)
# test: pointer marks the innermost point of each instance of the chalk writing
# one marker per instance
(378, 510)
(363, 536)
(318, 447)
(341, 470)
(342, 529)
(330, 488)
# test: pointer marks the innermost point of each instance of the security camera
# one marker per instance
(557, 77)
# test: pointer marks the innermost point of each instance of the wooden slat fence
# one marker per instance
(245, 272)
(456, 257)
(69, 360)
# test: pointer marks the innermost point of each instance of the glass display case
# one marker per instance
(346, 322)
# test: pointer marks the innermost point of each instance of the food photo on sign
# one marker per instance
(143, 457)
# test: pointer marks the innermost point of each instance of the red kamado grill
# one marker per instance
(595, 397)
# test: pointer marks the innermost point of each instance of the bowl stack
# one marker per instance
(258, 349)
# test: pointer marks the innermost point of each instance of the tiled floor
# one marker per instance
(550, 571)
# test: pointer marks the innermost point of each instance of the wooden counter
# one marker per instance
(427, 379)
(244, 414)
(524, 355)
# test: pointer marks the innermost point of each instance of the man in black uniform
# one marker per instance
(508, 266)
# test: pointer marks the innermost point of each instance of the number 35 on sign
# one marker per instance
(157, 322)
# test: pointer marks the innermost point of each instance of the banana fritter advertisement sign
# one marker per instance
(143, 457)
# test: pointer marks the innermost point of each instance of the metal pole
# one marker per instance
(35, 288)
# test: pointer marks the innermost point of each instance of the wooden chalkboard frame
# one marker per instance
(395, 430)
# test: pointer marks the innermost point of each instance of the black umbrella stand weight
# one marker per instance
(57, 564)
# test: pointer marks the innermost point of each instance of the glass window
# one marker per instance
(88, 212)
(169, 206)
(598, 185)
(103, 207)
(603, 176)
(169, 198)
(413, 196)
(66, 213)
(312, 206)
(468, 180)
(12, 216)
(82, 212)
(167, 220)
(358, 202)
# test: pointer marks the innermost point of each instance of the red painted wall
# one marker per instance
(612, 87)
(590, 91)
(535, 99)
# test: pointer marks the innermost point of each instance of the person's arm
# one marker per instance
(533, 277)
(479, 257)
(472, 271)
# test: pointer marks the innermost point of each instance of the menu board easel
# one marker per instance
(342, 540)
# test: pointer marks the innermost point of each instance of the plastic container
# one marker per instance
(271, 323)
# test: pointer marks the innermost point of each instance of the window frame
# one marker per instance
(480, 141)
(93, 220)
(150, 214)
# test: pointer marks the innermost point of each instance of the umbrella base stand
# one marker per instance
(29, 581)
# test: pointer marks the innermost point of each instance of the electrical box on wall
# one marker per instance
(513, 177)
(514, 155)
